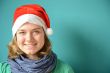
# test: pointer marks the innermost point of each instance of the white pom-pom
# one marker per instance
(49, 31)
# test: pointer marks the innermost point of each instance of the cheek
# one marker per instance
(41, 40)
(20, 40)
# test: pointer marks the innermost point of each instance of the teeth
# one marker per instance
(30, 44)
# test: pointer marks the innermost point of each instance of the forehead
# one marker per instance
(28, 25)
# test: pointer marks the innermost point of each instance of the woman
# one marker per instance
(30, 49)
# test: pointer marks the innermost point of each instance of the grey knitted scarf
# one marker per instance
(25, 65)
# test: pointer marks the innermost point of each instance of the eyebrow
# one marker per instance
(38, 28)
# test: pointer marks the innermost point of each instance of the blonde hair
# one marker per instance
(14, 50)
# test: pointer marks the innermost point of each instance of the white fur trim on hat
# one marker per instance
(31, 18)
(49, 31)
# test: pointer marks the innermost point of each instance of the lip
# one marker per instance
(30, 45)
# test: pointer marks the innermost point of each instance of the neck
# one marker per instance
(33, 57)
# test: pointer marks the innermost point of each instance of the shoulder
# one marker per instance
(4, 67)
(62, 67)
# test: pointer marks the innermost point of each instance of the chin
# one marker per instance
(31, 53)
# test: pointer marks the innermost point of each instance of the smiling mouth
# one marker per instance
(30, 45)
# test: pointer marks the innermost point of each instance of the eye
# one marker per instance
(21, 32)
(36, 31)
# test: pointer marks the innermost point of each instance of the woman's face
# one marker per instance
(30, 38)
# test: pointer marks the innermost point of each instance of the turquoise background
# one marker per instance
(81, 31)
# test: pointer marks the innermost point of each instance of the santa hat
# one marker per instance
(31, 13)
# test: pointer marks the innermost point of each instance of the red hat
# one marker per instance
(32, 13)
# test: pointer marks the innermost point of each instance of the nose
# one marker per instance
(29, 37)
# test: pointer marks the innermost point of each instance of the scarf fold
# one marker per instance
(25, 65)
